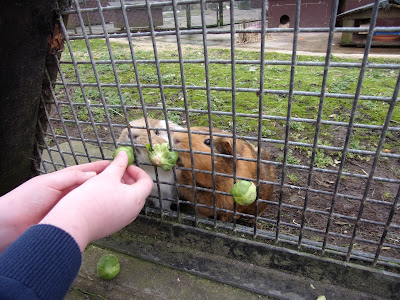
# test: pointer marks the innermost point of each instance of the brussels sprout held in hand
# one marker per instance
(160, 156)
(244, 192)
(108, 267)
(128, 150)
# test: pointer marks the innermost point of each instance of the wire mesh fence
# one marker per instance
(321, 132)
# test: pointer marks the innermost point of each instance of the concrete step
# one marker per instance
(141, 279)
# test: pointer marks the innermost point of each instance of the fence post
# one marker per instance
(25, 29)
(220, 14)
(188, 17)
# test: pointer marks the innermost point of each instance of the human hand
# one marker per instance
(104, 204)
(27, 204)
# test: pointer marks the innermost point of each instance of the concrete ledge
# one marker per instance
(140, 279)
(263, 269)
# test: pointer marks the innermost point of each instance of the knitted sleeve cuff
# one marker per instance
(44, 259)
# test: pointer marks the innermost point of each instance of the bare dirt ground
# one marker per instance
(308, 43)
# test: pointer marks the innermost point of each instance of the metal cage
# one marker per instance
(333, 143)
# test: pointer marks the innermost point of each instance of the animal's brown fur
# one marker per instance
(246, 169)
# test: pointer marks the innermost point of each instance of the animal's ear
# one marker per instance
(224, 146)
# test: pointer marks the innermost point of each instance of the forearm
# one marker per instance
(43, 261)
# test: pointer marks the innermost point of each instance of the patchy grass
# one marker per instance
(377, 82)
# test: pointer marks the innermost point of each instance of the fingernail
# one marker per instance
(90, 174)
(119, 153)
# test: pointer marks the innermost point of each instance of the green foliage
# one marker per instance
(293, 178)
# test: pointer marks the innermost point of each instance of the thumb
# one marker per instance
(118, 165)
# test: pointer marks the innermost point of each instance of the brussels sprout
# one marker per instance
(128, 150)
(160, 156)
(244, 192)
(108, 267)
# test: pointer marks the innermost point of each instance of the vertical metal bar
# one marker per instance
(61, 120)
(260, 105)
(39, 150)
(139, 85)
(54, 138)
(107, 38)
(88, 18)
(220, 14)
(352, 117)
(113, 64)
(161, 87)
(185, 100)
(136, 70)
(188, 17)
(374, 164)
(319, 118)
(78, 76)
(206, 66)
(234, 123)
(387, 225)
(289, 111)
(95, 74)
(65, 85)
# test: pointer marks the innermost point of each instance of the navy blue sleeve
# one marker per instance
(41, 264)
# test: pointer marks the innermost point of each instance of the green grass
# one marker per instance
(377, 82)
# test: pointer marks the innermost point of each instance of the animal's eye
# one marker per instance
(207, 142)
(156, 132)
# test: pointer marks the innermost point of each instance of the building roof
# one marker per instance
(383, 4)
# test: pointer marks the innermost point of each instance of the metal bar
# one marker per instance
(71, 106)
(47, 145)
(250, 62)
(208, 92)
(61, 119)
(351, 121)
(386, 229)
(251, 90)
(139, 87)
(81, 85)
(113, 64)
(186, 105)
(103, 101)
(289, 111)
(137, 78)
(264, 9)
(319, 118)
(247, 30)
(264, 117)
(233, 83)
(373, 167)
(185, 100)
(160, 86)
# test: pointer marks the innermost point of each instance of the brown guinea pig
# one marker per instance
(245, 169)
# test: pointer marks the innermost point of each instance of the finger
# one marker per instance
(68, 178)
(140, 180)
(97, 166)
(127, 179)
(118, 166)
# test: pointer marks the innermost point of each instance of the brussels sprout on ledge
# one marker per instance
(244, 192)
(128, 150)
(160, 156)
(108, 267)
